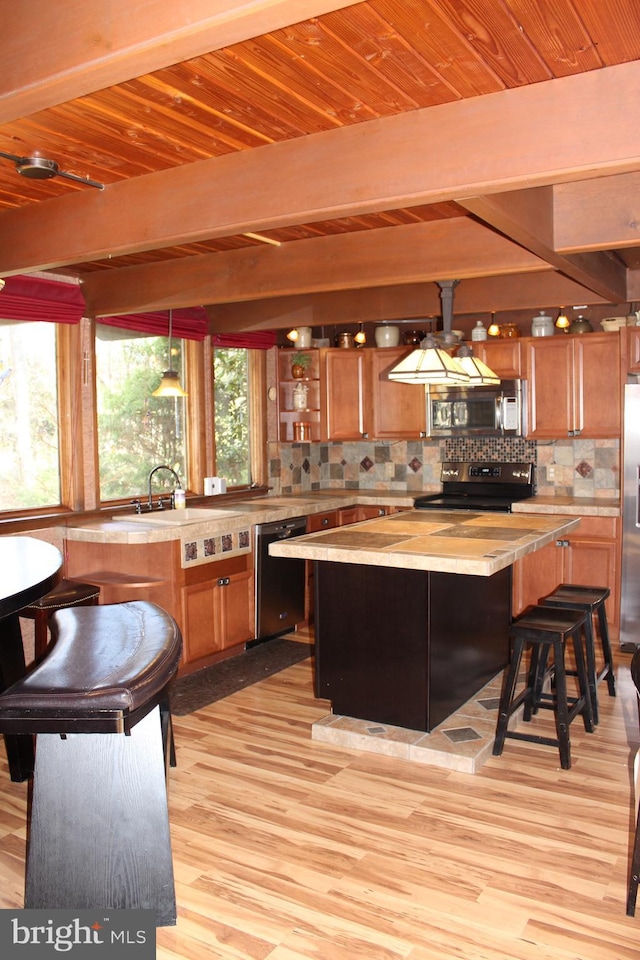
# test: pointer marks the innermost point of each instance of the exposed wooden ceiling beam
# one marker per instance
(404, 254)
(57, 52)
(372, 166)
(483, 295)
(527, 217)
(612, 205)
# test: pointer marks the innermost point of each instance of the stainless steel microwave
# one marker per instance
(476, 411)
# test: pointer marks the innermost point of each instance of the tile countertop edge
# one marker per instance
(312, 547)
(570, 506)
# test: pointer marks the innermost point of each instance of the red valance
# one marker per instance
(38, 299)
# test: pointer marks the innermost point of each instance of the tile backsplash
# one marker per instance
(578, 468)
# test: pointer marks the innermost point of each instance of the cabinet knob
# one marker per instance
(325, 521)
(224, 582)
(562, 543)
(365, 436)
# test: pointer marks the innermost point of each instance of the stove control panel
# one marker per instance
(498, 473)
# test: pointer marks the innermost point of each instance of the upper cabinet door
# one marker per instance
(597, 371)
(574, 386)
(399, 410)
(346, 388)
(550, 397)
(504, 357)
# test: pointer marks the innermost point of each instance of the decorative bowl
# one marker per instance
(613, 323)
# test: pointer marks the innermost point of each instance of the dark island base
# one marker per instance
(407, 647)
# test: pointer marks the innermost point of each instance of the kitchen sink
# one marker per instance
(178, 518)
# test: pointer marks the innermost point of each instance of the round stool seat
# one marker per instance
(68, 593)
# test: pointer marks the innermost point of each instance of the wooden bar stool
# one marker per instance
(592, 601)
(68, 593)
(545, 630)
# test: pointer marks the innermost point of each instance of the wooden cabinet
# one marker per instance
(289, 412)
(589, 555)
(350, 398)
(347, 411)
(633, 347)
(504, 357)
(361, 512)
(212, 603)
(218, 607)
(398, 410)
(573, 386)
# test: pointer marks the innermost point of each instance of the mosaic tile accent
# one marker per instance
(462, 735)
(191, 551)
(366, 464)
(244, 539)
(227, 542)
(210, 546)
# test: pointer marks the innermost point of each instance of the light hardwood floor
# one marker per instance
(290, 849)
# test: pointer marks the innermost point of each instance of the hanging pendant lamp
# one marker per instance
(430, 363)
(480, 375)
(170, 385)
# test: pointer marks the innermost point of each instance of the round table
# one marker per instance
(29, 568)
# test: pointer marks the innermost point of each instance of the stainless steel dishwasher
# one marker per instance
(279, 581)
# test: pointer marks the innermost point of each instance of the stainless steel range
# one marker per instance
(480, 486)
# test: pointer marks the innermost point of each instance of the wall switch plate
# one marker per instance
(551, 471)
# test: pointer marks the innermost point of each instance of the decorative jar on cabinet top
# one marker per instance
(387, 336)
(542, 325)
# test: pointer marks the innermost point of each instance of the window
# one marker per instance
(136, 431)
(29, 437)
(232, 417)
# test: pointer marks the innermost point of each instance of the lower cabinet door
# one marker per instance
(218, 612)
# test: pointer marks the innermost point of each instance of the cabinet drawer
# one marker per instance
(601, 528)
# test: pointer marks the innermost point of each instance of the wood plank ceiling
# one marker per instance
(372, 147)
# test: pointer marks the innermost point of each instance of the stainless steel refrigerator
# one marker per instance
(630, 592)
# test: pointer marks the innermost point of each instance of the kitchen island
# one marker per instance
(412, 610)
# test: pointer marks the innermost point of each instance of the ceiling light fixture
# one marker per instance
(39, 168)
(480, 375)
(562, 322)
(430, 363)
(170, 384)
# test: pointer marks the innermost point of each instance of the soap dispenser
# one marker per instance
(479, 332)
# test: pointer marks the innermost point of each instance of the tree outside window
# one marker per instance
(232, 421)
(29, 438)
(136, 431)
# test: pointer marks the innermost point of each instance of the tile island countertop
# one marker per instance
(459, 541)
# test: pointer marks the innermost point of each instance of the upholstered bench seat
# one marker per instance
(99, 706)
(109, 666)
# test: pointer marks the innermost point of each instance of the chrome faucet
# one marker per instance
(162, 466)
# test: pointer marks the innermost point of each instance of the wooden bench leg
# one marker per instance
(99, 834)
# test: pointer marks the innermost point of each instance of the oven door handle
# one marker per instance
(499, 417)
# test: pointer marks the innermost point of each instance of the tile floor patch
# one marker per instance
(462, 735)
(491, 704)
